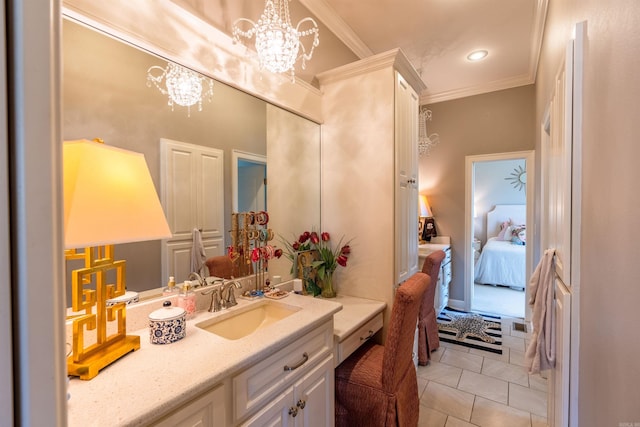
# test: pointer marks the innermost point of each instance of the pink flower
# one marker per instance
(342, 260)
(325, 236)
(314, 238)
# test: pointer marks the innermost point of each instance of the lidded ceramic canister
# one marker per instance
(129, 297)
(167, 325)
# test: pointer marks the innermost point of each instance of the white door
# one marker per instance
(561, 195)
(192, 194)
(406, 209)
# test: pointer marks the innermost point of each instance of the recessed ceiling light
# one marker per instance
(477, 55)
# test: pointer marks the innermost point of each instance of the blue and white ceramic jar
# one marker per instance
(167, 324)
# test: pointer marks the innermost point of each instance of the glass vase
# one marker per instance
(327, 287)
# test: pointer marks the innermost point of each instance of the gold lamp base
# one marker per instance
(106, 355)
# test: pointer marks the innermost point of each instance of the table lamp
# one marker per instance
(109, 198)
(429, 225)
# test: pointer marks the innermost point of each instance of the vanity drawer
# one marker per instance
(252, 387)
(358, 337)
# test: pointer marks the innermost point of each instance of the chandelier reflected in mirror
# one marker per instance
(277, 41)
(425, 141)
(182, 85)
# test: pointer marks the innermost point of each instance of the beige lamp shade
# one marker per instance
(425, 209)
(109, 197)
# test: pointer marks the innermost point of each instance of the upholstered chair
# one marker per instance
(221, 266)
(428, 340)
(377, 385)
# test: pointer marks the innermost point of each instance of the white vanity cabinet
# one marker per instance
(370, 147)
(308, 402)
(296, 379)
(444, 277)
(207, 410)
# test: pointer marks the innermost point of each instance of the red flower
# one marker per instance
(295, 246)
(314, 238)
(346, 250)
(278, 253)
(304, 237)
(325, 236)
(342, 260)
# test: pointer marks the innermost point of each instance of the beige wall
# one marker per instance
(609, 372)
(496, 122)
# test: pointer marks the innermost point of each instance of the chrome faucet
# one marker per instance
(196, 276)
(216, 299)
(229, 300)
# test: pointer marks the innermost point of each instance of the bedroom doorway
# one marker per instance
(498, 191)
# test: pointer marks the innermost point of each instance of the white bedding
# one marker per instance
(501, 263)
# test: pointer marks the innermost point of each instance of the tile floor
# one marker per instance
(464, 387)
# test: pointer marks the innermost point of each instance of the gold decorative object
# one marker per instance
(87, 360)
(109, 198)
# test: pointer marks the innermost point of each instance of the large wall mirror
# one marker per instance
(105, 95)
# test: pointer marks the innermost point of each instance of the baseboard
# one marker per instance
(456, 303)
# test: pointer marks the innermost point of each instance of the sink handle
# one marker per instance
(305, 357)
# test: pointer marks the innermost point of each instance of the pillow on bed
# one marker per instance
(505, 231)
(519, 234)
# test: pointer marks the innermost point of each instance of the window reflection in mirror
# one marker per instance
(105, 95)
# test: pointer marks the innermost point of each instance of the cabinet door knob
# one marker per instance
(301, 404)
(293, 411)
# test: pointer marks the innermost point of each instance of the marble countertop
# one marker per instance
(157, 379)
(355, 313)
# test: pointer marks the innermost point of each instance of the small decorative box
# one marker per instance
(167, 324)
(129, 297)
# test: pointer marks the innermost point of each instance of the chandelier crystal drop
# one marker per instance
(182, 85)
(277, 41)
(425, 141)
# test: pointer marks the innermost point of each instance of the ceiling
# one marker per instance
(435, 35)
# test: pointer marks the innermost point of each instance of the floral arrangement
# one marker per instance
(329, 258)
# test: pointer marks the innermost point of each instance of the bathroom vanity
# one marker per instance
(285, 370)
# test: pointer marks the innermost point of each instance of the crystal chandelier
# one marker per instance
(277, 41)
(425, 141)
(183, 86)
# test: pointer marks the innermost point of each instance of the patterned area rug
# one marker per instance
(473, 330)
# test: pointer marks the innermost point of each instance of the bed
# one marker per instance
(502, 262)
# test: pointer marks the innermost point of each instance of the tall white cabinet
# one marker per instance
(192, 194)
(369, 148)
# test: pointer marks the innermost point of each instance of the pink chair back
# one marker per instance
(431, 267)
(398, 347)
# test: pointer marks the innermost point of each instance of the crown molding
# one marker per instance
(537, 35)
(392, 58)
(329, 17)
(432, 98)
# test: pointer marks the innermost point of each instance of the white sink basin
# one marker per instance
(244, 321)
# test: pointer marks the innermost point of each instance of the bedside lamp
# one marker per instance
(109, 198)
(429, 226)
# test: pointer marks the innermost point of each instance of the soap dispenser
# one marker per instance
(171, 290)
(187, 299)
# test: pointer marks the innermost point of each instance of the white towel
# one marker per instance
(541, 353)
(198, 255)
